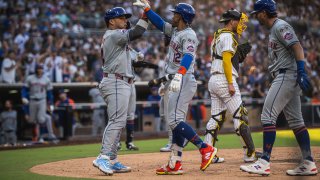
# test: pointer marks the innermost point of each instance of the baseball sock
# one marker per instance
(269, 136)
(177, 141)
(130, 127)
(303, 139)
(187, 132)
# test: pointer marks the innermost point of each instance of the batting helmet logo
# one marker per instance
(186, 11)
(116, 12)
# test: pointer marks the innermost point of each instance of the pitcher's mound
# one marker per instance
(144, 166)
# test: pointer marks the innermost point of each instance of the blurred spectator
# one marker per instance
(34, 26)
(77, 28)
(257, 93)
(8, 121)
(53, 66)
(21, 39)
(8, 69)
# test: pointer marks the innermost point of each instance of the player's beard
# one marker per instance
(174, 23)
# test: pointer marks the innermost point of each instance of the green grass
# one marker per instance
(15, 164)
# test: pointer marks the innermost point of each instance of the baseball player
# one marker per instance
(135, 57)
(287, 67)
(8, 123)
(223, 87)
(38, 89)
(115, 87)
(98, 115)
(182, 87)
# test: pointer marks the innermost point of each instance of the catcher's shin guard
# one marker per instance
(242, 129)
(213, 126)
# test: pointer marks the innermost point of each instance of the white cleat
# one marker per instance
(166, 148)
(306, 168)
(261, 167)
(217, 159)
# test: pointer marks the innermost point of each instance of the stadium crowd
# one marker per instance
(65, 36)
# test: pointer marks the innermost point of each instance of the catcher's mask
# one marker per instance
(233, 14)
(242, 24)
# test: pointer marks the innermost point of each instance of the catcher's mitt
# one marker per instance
(242, 51)
(143, 64)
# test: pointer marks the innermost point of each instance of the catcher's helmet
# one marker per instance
(264, 5)
(230, 14)
(116, 12)
(186, 11)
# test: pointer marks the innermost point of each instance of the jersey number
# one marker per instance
(177, 57)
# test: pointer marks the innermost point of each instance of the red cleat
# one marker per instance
(208, 154)
(166, 170)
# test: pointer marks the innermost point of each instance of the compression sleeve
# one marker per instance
(155, 19)
(185, 63)
(227, 65)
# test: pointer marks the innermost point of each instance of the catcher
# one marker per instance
(223, 88)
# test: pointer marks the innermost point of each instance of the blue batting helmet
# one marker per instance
(264, 5)
(116, 12)
(186, 11)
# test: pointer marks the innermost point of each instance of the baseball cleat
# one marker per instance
(217, 159)
(207, 155)
(167, 170)
(261, 167)
(120, 168)
(306, 168)
(166, 148)
(131, 146)
(103, 164)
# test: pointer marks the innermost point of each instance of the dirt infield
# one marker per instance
(144, 165)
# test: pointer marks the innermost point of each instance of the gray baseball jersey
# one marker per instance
(281, 37)
(38, 87)
(116, 91)
(176, 103)
(8, 120)
(284, 93)
(119, 61)
(182, 42)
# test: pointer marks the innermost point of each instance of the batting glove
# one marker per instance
(302, 78)
(25, 101)
(175, 84)
(161, 90)
(144, 4)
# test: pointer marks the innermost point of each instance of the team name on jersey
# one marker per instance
(273, 45)
(174, 46)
